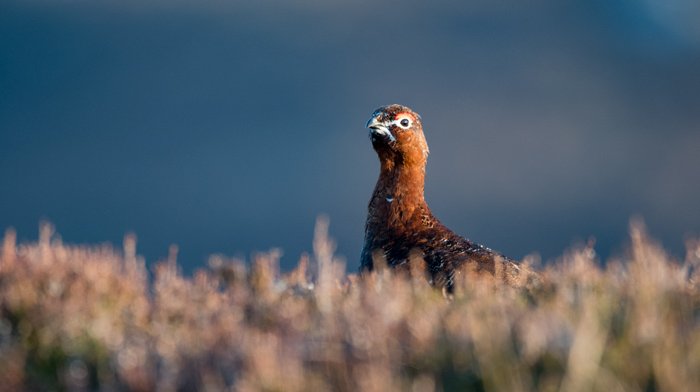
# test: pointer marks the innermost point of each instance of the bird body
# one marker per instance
(399, 221)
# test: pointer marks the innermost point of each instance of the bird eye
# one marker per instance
(404, 123)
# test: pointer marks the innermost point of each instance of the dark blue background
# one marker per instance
(228, 128)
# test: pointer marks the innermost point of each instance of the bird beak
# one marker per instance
(379, 128)
(373, 123)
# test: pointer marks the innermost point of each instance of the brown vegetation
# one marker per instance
(85, 318)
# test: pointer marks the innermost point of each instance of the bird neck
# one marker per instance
(400, 189)
(402, 174)
(398, 202)
(403, 181)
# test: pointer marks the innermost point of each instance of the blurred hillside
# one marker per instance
(227, 128)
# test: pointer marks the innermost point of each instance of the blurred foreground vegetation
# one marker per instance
(89, 318)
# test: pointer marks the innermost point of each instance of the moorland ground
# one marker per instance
(95, 318)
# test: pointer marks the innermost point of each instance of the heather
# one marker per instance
(95, 318)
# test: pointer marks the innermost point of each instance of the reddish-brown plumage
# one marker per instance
(399, 221)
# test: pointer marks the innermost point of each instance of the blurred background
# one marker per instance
(228, 128)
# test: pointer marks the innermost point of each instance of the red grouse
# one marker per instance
(398, 219)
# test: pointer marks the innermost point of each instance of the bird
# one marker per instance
(400, 224)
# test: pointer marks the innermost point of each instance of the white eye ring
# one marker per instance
(404, 123)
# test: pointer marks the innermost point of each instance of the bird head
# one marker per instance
(397, 135)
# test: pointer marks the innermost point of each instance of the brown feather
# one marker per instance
(399, 220)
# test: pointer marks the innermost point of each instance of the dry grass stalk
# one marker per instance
(84, 318)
